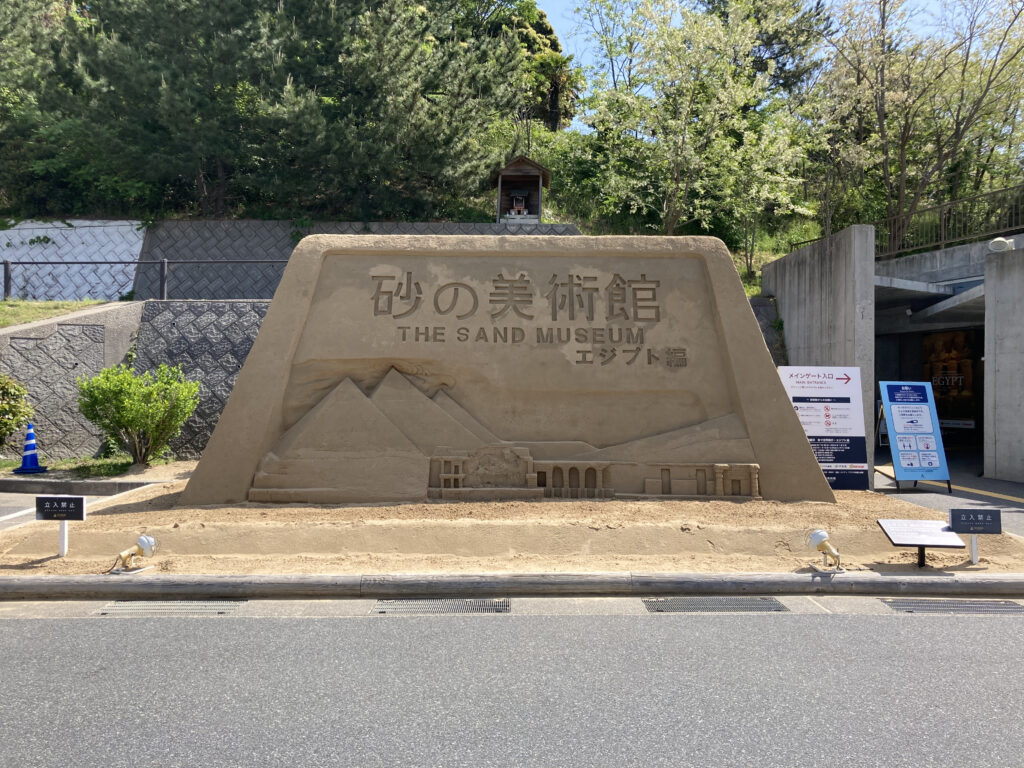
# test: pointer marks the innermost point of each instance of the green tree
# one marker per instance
(140, 412)
(758, 183)
(788, 34)
(916, 115)
(680, 96)
(389, 120)
(15, 409)
(363, 109)
(30, 33)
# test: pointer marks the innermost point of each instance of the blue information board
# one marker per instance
(914, 436)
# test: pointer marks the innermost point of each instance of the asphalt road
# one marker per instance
(19, 508)
(1004, 496)
(616, 687)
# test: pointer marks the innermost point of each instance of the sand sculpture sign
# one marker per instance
(397, 368)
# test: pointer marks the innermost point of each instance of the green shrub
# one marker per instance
(141, 412)
(15, 410)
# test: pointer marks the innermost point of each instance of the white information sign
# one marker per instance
(830, 405)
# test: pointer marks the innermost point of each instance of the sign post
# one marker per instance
(63, 509)
(914, 436)
(975, 521)
(830, 406)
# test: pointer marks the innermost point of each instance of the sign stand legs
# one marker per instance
(920, 557)
(974, 548)
(63, 539)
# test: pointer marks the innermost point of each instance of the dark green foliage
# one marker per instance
(371, 109)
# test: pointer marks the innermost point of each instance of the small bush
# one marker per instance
(140, 412)
(15, 410)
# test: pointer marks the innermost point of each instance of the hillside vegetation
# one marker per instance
(759, 121)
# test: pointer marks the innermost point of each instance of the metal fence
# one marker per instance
(21, 286)
(971, 218)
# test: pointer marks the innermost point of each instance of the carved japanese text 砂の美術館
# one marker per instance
(572, 298)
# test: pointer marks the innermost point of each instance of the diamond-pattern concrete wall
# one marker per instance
(266, 240)
(48, 357)
(49, 367)
(81, 241)
(210, 341)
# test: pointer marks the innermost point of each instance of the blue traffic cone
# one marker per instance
(30, 459)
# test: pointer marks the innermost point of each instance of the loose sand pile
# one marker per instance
(519, 536)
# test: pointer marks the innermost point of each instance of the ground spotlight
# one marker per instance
(819, 540)
(144, 547)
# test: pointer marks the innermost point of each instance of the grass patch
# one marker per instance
(16, 312)
(751, 283)
(85, 467)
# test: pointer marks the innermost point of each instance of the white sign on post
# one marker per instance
(830, 405)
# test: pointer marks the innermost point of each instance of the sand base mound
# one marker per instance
(516, 536)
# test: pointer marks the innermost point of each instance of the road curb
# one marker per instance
(159, 586)
(70, 487)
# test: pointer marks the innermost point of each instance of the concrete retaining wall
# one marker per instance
(70, 242)
(50, 355)
(826, 298)
(270, 240)
(961, 262)
(210, 341)
(1004, 351)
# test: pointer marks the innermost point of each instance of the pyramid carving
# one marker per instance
(461, 415)
(344, 449)
(419, 418)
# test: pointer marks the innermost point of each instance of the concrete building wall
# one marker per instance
(49, 356)
(1004, 366)
(826, 298)
(961, 262)
(71, 242)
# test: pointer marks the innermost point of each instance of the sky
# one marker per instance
(561, 17)
(573, 40)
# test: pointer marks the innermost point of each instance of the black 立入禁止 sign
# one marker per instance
(975, 520)
(60, 507)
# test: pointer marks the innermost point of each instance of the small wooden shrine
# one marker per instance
(521, 186)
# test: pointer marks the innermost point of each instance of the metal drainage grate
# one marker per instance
(467, 605)
(934, 605)
(714, 605)
(171, 607)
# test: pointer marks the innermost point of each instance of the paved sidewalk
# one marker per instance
(19, 508)
(11, 507)
(969, 490)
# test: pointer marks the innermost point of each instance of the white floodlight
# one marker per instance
(125, 562)
(819, 540)
(1000, 244)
